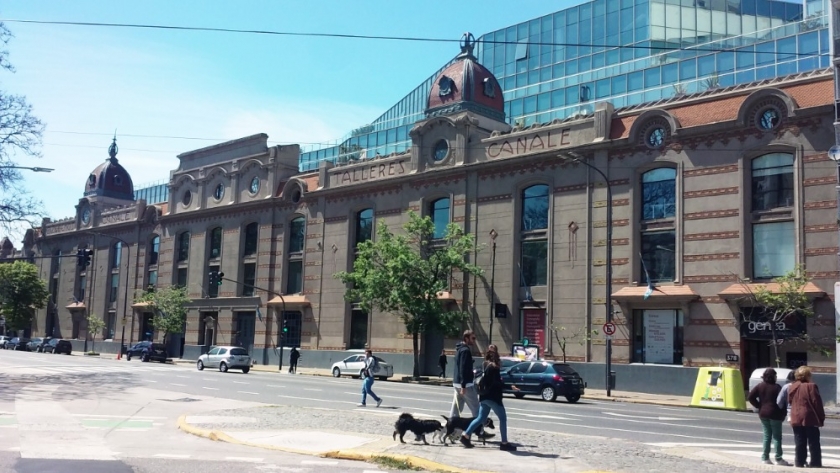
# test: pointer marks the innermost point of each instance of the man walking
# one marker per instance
(294, 356)
(462, 381)
(370, 369)
(442, 364)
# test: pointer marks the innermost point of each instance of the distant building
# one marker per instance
(713, 192)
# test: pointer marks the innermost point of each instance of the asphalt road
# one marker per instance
(68, 414)
(656, 425)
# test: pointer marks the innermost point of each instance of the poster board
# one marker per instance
(659, 336)
(533, 326)
(529, 353)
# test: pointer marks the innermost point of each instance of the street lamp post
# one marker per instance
(609, 265)
(125, 244)
(493, 236)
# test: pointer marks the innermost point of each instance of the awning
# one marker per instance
(740, 290)
(141, 305)
(292, 300)
(672, 293)
(76, 306)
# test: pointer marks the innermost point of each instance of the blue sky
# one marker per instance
(85, 82)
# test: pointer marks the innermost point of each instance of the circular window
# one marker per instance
(219, 192)
(441, 150)
(255, 185)
(186, 198)
(296, 196)
(656, 137)
(769, 118)
(86, 216)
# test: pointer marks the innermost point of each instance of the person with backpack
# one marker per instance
(368, 372)
(490, 387)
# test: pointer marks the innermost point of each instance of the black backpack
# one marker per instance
(482, 382)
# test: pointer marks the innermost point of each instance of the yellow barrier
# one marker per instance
(719, 388)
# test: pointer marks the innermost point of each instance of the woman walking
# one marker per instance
(490, 399)
(763, 397)
(806, 417)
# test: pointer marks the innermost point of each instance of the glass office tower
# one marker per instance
(621, 51)
(153, 193)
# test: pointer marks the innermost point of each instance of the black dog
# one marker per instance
(460, 424)
(420, 427)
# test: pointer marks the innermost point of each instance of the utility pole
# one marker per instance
(493, 236)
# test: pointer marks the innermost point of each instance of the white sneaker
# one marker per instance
(360, 405)
(378, 403)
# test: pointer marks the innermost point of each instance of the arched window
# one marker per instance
(534, 236)
(773, 239)
(364, 226)
(252, 232)
(772, 181)
(154, 250)
(658, 241)
(183, 246)
(659, 193)
(297, 238)
(297, 235)
(216, 243)
(116, 255)
(439, 212)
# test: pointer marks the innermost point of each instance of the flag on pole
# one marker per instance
(649, 289)
(259, 314)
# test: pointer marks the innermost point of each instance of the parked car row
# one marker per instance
(36, 344)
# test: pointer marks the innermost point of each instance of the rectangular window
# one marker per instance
(774, 247)
(115, 285)
(110, 325)
(658, 257)
(294, 285)
(249, 279)
(216, 243)
(153, 277)
(772, 182)
(212, 289)
(522, 50)
(358, 329)
(534, 266)
(292, 321)
(658, 336)
(297, 235)
(181, 278)
(82, 287)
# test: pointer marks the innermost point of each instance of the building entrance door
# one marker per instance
(358, 329)
(245, 324)
(757, 354)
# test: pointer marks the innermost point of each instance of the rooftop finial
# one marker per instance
(112, 150)
(467, 44)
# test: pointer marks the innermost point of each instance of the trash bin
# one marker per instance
(612, 380)
(755, 378)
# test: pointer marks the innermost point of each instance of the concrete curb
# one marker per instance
(356, 455)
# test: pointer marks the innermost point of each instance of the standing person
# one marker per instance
(462, 381)
(782, 398)
(806, 417)
(294, 356)
(370, 368)
(491, 399)
(763, 397)
(442, 364)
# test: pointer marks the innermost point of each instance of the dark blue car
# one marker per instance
(545, 379)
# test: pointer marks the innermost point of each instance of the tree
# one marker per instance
(94, 327)
(402, 275)
(169, 307)
(20, 134)
(779, 305)
(562, 335)
(21, 292)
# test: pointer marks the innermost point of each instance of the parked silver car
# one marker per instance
(225, 358)
(354, 364)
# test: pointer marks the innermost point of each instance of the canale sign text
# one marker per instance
(541, 141)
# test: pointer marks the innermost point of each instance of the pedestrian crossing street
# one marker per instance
(95, 367)
(749, 452)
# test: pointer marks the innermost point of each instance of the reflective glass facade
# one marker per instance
(153, 193)
(561, 64)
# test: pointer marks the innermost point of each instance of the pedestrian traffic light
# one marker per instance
(285, 326)
(525, 342)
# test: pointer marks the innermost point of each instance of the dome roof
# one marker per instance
(466, 85)
(110, 179)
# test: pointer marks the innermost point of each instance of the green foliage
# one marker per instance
(21, 292)
(563, 336)
(169, 307)
(402, 275)
(94, 327)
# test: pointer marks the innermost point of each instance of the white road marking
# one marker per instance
(212, 389)
(309, 399)
(248, 392)
(176, 384)
(171, 455)
(244, 459)
(178, 376)
(13, 449)
(645, 417)
(150, 381)
(274, 386)
(312, 389)
(239, 382)
(117, 416)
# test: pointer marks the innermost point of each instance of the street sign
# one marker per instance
(609, 328)
(732, 358)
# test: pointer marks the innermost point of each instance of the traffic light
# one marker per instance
(215, 278)
(83, 257)
(525, 342)
(285, 326)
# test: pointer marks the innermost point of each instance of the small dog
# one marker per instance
(420, 427)
(457, 425)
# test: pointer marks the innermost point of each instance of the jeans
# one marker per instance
(484, 412)
(470, 397)
(809, 435)
(772, 429)
(367, 384)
